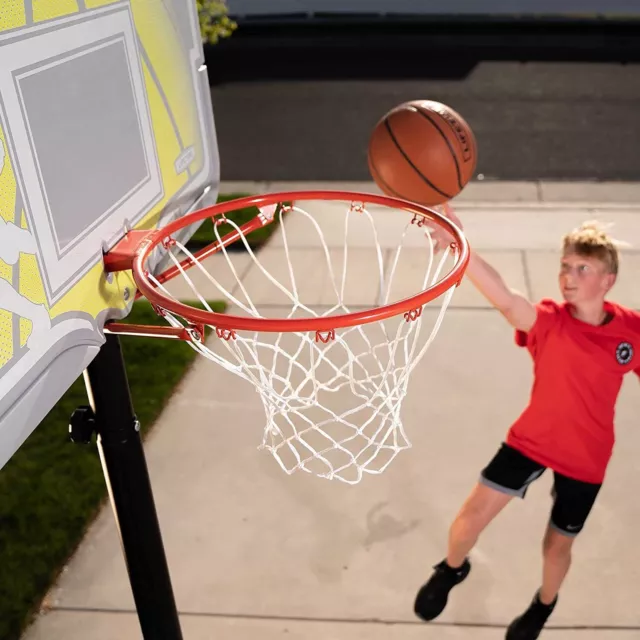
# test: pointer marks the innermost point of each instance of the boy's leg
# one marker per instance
(572, 506)
(508, 475)
(573, 503)
(478, 510)
(556, 553)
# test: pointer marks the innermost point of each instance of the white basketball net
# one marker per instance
(332, 401)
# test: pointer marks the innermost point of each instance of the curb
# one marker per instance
(485, 193)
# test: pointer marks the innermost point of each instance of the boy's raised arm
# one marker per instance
(516, 308)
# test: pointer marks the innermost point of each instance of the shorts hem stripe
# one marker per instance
(563, 532)
(516, 493)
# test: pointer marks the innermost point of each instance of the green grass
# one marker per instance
(205, 235)
(52, 489)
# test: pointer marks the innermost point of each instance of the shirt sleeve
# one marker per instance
(635, 319)
(547, 313)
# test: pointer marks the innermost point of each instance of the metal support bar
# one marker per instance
(127, 478)
(149, 331)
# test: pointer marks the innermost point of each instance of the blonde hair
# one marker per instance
(591, 240)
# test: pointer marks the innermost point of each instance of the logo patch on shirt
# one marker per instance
(624, 353)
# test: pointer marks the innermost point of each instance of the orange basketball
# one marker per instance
(422, 151)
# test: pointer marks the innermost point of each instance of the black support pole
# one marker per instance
(129, 485)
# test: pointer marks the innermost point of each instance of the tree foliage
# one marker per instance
(214, 21)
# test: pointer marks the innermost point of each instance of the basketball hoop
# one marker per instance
(331, 378)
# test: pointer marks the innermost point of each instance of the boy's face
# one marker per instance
(584, 279)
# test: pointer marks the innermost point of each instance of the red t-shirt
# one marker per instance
(578, 369)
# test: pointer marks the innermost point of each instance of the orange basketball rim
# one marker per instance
(332, 372)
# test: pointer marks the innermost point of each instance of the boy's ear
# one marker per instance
(610, 280)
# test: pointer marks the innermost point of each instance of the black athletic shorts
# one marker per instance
(512, 472)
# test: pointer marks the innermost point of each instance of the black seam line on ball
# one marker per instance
(384, 182)
(404, 155)
(424, 114)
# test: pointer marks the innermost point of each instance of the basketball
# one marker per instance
(422, 151)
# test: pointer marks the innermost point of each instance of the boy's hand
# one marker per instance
(440, 236)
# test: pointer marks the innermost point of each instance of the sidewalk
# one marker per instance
(255, 553)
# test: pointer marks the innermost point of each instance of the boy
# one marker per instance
(581, 348)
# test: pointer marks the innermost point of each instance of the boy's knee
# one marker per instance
(557, 546)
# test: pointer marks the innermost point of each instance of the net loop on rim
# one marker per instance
(333, 395)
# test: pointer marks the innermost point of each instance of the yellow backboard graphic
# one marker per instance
(105, 125)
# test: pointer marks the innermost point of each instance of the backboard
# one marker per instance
(106, 125)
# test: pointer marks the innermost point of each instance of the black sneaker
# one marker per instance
(529, 625)
(432, 597)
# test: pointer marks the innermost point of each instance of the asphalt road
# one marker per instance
(551, 120)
